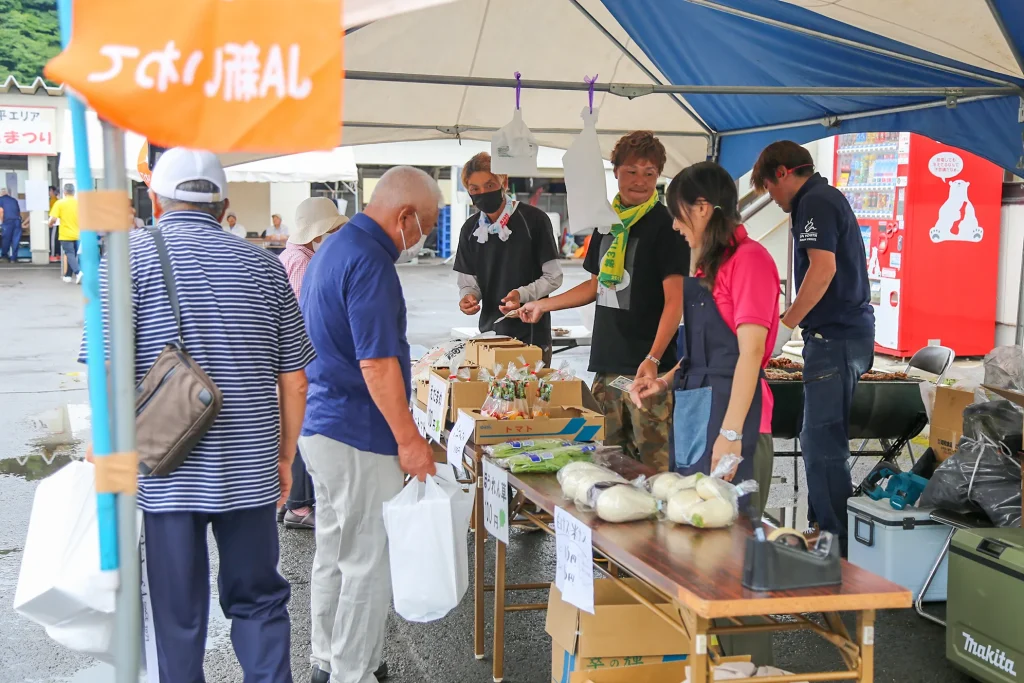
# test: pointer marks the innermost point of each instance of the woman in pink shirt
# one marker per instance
(730, 321)
(315, 219)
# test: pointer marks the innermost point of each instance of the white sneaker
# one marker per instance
(66, 279)
(78, 279)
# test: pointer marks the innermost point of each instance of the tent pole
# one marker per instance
(1010, 42)
(715, 5)
(457, 130)
(633, 90)
(1020, 307)
(128, 624)
(835, 120)
(640, 65)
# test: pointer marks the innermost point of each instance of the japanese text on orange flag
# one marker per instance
(222, 75)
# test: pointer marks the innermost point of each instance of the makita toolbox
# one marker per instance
(899, 545)
(985, 609)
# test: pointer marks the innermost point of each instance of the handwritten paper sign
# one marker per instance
(419, 416)
(458, 438)
(496, 501)
(437, 406)
(574, 572)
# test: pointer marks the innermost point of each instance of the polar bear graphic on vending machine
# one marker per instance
(950, 226)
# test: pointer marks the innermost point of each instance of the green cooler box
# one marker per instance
(985, 607)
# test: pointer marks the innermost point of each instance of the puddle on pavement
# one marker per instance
(56, 437)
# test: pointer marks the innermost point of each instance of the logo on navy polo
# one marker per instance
(809, 233)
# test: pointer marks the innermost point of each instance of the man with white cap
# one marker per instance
(240, 323)
(315, 219)
(358, 436)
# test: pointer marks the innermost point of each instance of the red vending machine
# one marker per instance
(929, 215)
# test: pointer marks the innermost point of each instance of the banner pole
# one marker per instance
(128, 626)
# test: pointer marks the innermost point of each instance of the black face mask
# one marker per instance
(488, 202)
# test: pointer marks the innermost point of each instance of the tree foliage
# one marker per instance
(29, 37)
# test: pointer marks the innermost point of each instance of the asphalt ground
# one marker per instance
(44, 424)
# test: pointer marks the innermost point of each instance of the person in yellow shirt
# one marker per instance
(65, 210)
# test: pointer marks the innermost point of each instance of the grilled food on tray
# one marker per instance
(883, 376)
(783, 375)
(784, 364)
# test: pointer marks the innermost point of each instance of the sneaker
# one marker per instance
(78, 279)
(66, 279)
(294, 521)
(281, 511)
(319, 675)
(382, 671)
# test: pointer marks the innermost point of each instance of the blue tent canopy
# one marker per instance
(779, 44)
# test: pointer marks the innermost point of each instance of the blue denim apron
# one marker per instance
(703, 386)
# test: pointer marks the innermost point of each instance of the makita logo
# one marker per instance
(985, 653)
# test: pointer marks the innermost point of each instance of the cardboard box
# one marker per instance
(947, 423)
(470, 395)
(569, 423)
(621, 633)
(666, 672)
(491, 355)
(473, 346)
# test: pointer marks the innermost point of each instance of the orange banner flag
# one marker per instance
(220, 75)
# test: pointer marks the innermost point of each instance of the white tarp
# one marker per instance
(964, 30)
(542, 39)
(309, 167)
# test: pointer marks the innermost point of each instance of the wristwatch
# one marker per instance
(656, 361)
(730, 435)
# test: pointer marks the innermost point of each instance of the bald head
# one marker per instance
(406, 186)
(405, 204)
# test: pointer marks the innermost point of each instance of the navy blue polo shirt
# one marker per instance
(354, 309)
(823, 219)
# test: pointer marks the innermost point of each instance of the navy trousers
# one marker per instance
(253, 595)
(832, 369)
(9, 239)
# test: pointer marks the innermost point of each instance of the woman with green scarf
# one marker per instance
(637, 272)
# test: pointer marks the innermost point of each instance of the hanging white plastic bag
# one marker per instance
(427, 525)
(514, 149)
(60, 585)
(585, 187)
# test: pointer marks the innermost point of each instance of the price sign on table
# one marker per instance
(574, 572)
(496, 501)
(458, 438)
(437, 406)
(419, 416)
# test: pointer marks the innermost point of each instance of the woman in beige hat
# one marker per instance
(315, 219)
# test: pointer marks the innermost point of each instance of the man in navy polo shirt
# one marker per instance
(358, 419)
(833, 307)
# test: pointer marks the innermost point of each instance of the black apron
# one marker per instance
(703, 386)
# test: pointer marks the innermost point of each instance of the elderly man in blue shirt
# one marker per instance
(358, 436)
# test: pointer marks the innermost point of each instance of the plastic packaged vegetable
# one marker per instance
(503, 450)
(622, 502)
(713, 502)
(541, 461)
(575, 475)
(663, 485)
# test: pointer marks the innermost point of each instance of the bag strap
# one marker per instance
(168, 278)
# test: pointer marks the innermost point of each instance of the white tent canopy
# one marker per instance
(542, 39)
(311, 167)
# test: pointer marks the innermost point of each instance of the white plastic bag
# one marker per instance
(427, 525)
(514, 149)
(60, 585)
(585, 187)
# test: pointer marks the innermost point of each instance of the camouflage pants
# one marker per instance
(643, 433)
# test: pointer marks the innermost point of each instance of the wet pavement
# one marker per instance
(44, 423)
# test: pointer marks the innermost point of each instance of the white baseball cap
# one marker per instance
(179, 165)
(315, 217)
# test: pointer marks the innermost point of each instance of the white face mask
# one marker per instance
(409, 253)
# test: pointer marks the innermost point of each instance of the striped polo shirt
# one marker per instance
(242, 324)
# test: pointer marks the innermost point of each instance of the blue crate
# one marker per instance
(444, 233)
